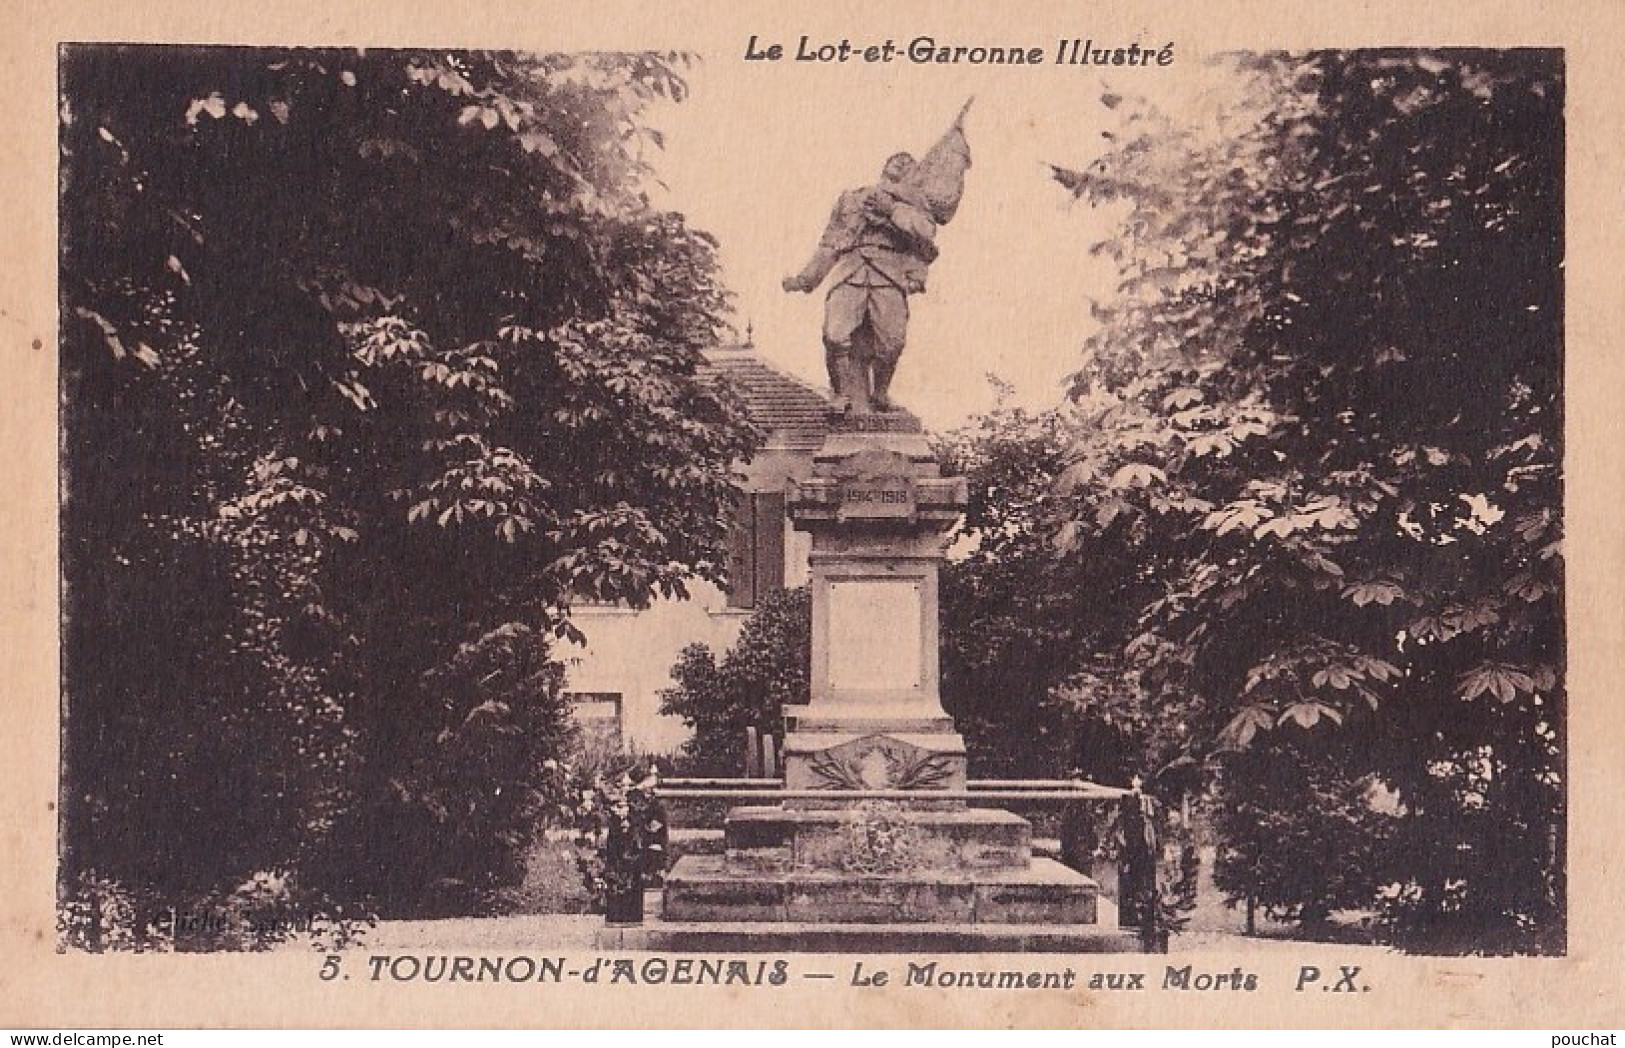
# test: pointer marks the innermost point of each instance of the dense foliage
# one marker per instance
(372, 362)
(1024, 632)
(765, 670)
(1300, 833)
(1324, 408)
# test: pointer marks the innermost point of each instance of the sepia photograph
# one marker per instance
(439, 545)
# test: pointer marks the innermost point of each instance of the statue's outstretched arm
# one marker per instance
(836, 238)
(813, 273)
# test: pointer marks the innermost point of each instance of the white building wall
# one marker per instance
(797, 556)
(631, 653)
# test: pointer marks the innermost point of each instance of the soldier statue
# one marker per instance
(875, 251)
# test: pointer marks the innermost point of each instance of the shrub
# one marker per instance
(765, 670)
(475, 795)
(1299, 833)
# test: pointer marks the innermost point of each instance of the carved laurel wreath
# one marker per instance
(836, 774)
(911, 770)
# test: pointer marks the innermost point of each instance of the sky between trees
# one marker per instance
(758, 153)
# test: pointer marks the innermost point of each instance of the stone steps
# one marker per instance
(774, 838)
(706, 888)
(681, 841)
(702, 841)
(922, 939)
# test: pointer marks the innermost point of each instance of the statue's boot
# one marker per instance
(838, 361)
(854, 386)
(883, 371)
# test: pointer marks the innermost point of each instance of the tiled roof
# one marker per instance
(788, 410)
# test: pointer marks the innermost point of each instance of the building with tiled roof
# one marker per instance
(617, 678)
(789, 411)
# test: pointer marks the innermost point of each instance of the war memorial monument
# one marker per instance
(876, 839)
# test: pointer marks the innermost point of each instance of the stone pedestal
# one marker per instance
(827, 871)
(878, 511)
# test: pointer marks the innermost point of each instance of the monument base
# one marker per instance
(771, 839)
(707, 888)
(799, 877)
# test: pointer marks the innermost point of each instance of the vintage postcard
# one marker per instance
(564, 515)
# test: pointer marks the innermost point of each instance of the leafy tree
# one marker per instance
(1326, 404)
(479, 792)
(1024, 632)
(372, 363)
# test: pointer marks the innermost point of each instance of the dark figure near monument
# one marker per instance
(875, 252)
